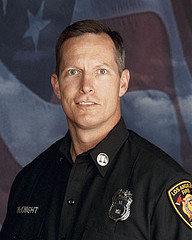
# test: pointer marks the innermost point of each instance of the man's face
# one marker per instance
(89, 85)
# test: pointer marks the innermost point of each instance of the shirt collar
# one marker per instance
(108, 147)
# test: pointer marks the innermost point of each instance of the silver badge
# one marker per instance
(120, 208)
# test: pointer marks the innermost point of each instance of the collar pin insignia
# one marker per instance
(102, 159)
(120, 208)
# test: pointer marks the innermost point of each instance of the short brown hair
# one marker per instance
(91, 26)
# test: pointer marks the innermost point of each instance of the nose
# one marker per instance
(86, 85)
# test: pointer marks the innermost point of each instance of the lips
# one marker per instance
(86, 103)
(83, 102)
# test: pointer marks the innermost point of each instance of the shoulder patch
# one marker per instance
(181, 199)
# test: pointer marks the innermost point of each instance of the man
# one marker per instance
(101, 181)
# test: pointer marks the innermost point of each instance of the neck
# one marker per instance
(86, 139)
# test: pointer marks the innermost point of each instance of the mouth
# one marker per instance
(86, 103)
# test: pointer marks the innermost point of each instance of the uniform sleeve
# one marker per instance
(7, 225)
(172, 217)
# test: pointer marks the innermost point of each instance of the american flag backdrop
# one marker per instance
(158, 105)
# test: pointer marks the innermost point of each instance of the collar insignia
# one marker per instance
(120, 208)
(181, 199)
(102, 159)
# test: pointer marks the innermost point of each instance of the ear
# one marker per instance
(124, 82)
(55, 85)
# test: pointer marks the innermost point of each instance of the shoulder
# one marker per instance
(164, 187)
(46, 159)
(153, 163)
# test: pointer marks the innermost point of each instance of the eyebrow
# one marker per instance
(103, 64)
(76, 67)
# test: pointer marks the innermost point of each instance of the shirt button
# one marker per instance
(71, 201)
(15, 238)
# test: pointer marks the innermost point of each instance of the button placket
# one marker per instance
(72, 195)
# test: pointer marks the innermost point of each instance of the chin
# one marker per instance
(88, 121)
(94, 122)
(87, 124)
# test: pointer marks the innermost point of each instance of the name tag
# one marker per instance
(27, 209)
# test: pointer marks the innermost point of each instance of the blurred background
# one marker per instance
(158, 105)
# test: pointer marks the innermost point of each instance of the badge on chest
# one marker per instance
(120, 208)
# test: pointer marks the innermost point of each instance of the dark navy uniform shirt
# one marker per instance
(74, 200)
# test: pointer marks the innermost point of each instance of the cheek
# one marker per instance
(111, 96)
(112, 90)
(67, 90)
(65, 97)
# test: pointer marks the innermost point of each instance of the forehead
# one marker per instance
(89, 43)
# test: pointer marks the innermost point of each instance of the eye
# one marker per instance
(72, 71)
(102, 71)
